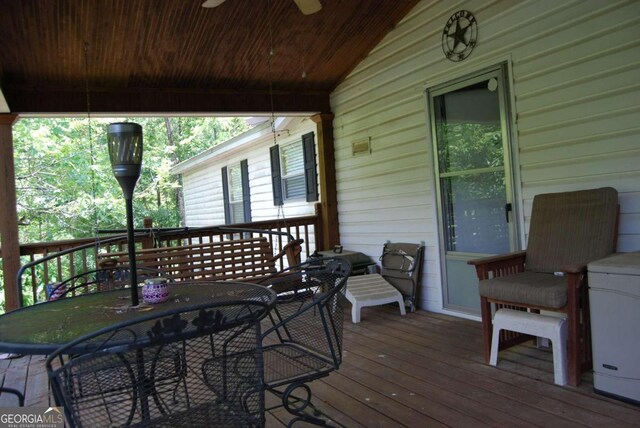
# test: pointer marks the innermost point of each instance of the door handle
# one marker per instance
(507, 209)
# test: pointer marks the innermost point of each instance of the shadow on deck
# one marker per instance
(424, 369)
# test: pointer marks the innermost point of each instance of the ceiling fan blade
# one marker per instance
(308, 7)
(212, 3)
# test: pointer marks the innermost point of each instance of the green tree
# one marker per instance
(65, 187)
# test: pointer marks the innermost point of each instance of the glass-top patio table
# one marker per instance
(44, 327)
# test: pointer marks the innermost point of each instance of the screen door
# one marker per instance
(471, 154)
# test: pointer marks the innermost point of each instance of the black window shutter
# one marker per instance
(246, 191)
(225, 196)
(276, 179)
(310, 175)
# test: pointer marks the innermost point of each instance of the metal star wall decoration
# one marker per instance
(459, 40)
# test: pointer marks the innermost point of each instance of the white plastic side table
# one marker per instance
(371, 290)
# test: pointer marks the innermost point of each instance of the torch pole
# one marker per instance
(132, 253)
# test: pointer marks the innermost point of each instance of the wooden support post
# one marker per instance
(9, 240)
(147, 241)
(318, 228)
(327, 176)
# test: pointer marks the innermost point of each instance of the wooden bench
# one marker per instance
(240, 259)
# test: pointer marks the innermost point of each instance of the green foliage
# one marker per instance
(468, 146)
(65, 186)
(472, 147)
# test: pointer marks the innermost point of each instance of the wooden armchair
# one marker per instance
(567, 231)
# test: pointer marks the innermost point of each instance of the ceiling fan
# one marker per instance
(307, 7)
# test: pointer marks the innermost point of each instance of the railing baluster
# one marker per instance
(45, 272)
(34, 282)
(72, 270)
(58, 266)
(306, 240)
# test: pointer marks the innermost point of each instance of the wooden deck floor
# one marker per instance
(421, 370)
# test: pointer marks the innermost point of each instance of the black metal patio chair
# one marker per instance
(200, 367)
(305, 341)
(14, 392)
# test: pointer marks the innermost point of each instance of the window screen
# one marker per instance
(235, 194)
(292, 163)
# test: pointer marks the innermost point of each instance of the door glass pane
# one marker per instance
(474, 215)
(470, 150)
(468, 129)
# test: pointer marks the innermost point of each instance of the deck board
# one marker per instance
(447, 371)
(449, 363)
(424, 370)
(432, 393)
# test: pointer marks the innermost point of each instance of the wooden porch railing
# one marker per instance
(44, 263)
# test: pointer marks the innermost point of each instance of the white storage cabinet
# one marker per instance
(614, 299)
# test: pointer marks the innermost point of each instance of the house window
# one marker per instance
(293, 171)
(236, 193)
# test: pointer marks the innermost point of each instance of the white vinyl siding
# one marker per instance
(199, 210)
(574, 68)
(202, 183)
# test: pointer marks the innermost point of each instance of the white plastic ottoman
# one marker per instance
(371, 290)
(541, 326)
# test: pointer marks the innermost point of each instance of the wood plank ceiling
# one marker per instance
(174, 56)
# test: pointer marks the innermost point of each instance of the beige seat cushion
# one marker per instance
(527, 288)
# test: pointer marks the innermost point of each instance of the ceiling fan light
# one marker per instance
(212, 3)
(308, 7)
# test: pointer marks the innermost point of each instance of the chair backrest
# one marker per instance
(202, 365)
(571, 228)
(401, 265)
(309, 309)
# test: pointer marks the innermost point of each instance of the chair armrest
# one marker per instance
(574, 268)
(498, 258)
(500, 265)
(292, 251)
(576, 275)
